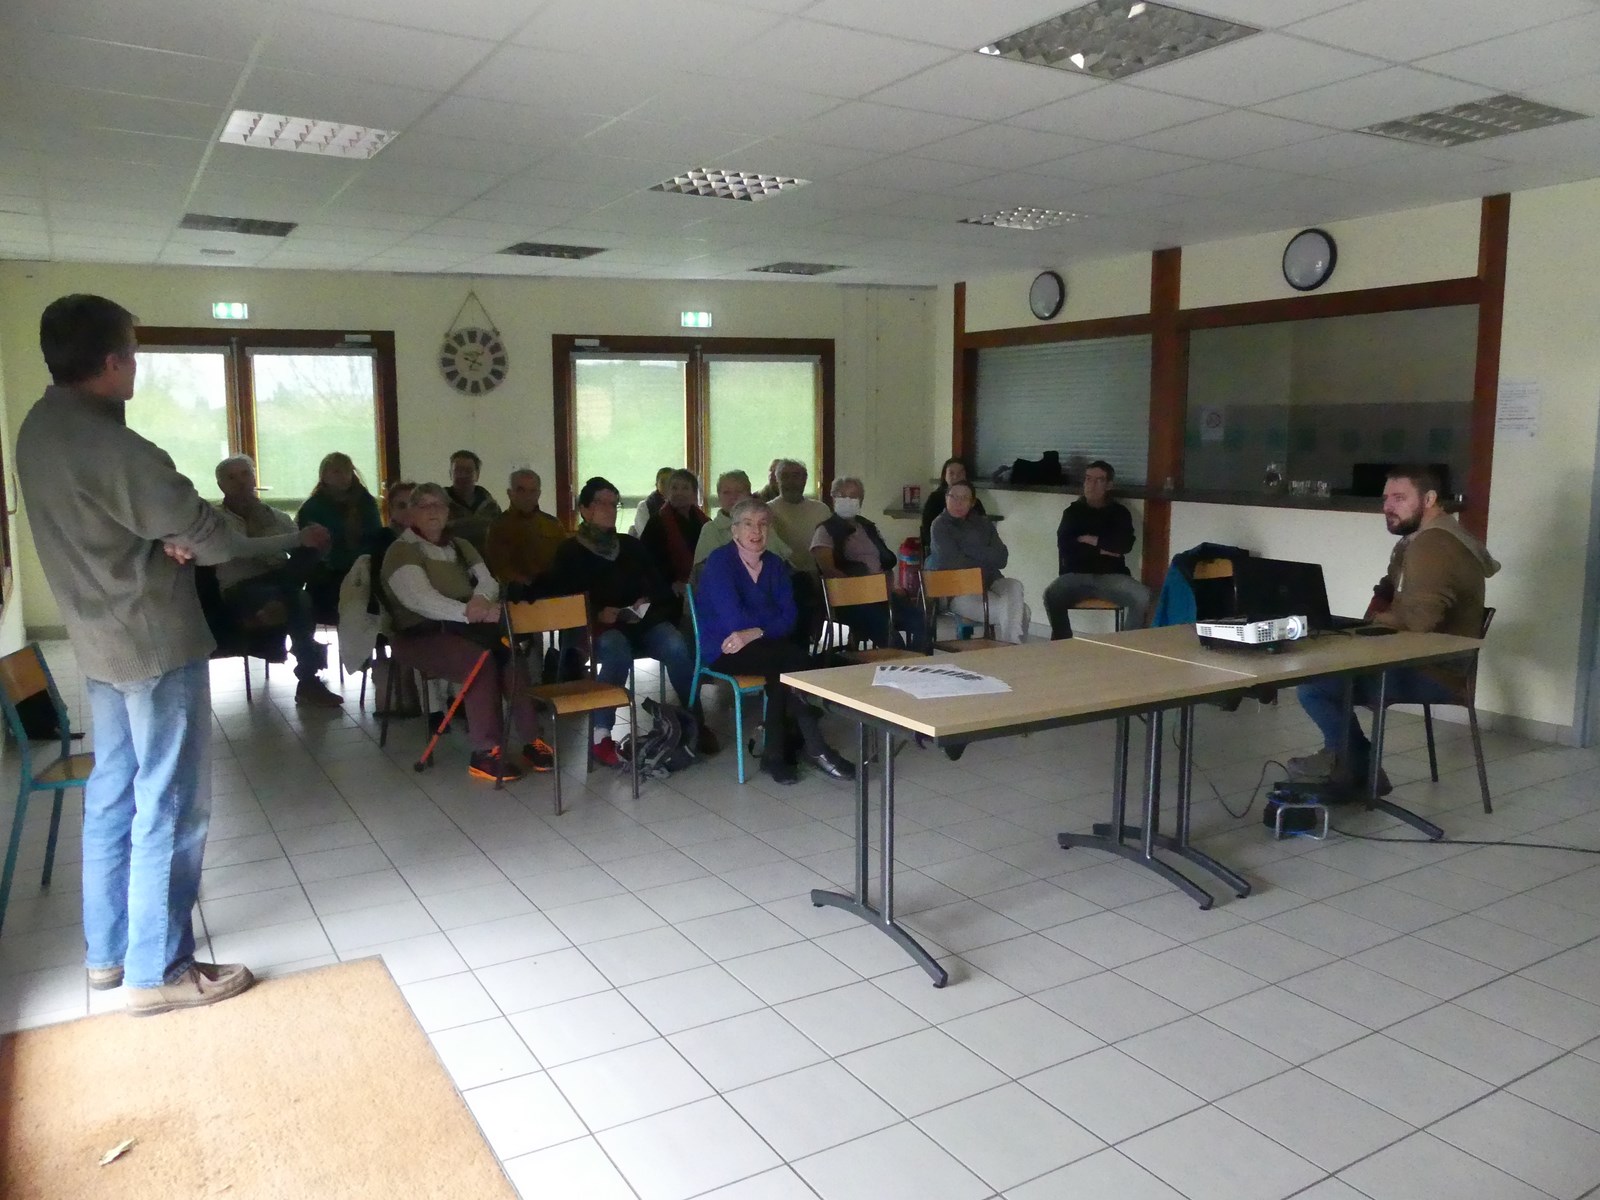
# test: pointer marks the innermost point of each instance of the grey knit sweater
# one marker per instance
(101, 501)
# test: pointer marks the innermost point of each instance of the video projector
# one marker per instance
(1268, 634)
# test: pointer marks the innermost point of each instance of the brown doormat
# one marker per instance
(319, 1086)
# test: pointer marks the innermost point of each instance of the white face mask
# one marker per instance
(847, 507)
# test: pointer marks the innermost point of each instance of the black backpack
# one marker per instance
(668, 745)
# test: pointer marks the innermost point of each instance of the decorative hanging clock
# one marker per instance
(472, 358)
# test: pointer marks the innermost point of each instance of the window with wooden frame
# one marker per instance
(627, 406)
(285, 397)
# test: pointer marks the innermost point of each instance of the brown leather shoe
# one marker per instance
(316, 694)
(201, 984)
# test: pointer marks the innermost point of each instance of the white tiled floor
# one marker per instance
(637, 999)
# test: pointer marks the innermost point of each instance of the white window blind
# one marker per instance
(1085, 399)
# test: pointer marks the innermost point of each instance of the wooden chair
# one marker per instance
(1467, 698)
(23, 675)
(1094, 604)
(851, 591)
(234, 641)
(742, 686)
(557, 614)
(947, 585)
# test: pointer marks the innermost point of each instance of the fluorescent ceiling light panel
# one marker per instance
(552, 250)
(1023, 218)
(304, 135)
(210, 224)
(799, 268)
(1112, 39)
(727, 185)
(1464, 123)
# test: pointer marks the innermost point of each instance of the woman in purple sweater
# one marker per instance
(745, 605)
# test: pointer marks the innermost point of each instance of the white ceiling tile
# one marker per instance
(439, 152)
(737, 104)
(176, 153)
(914, 174)
(1115, 112)
(352, 238)
(229, 164)
(1382, 96)
(984, 88)
(1581, 93)
(492, 120)
(839, 197)
(375, 196)
(28, 52)
(1576, 143)
(1114, 164)
(1229, 135)
(1019, 189)
(694, 144)
(881, 127)
(1216, 179)
(1258, 68)
(802, 159)
(956, 25)
(690, 33)
(53, 105)
(565, 81)
(490, 19)
(623, 175)
(1110, 203)
(1328, 155)
(1263, 14)
(69, 216)
(14, 204)
(653, 211)
(1004, 147)
(824, 58)
(530, 190)
(1415, 28)
(340, 214)
(225, 29)
(330, 98)
(1547, 54)
(418, 177)
(320, 44)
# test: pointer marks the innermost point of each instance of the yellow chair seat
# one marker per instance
(73, 769)
(578, 696)
(1096, 602)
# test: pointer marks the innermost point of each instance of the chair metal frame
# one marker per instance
(23, 674)
(854, 591)
(948, 585)
(741, 685)
(1095, 604)
(557, 614)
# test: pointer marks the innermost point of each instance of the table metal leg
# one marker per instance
(882, 916)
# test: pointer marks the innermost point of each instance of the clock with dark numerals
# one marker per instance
(473, 361)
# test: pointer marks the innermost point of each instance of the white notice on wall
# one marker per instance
(1516, 416)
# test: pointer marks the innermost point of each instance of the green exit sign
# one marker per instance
(230, 310)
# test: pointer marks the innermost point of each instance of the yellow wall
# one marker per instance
(882, 352)
(1539, 519)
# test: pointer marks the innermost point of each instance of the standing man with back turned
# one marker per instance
(114, 524)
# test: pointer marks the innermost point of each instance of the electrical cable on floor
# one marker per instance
(1261, 779)
(1450, 841)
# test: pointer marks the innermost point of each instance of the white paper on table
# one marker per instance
(933, 683)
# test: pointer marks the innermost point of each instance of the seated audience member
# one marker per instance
(342, 504)
(271, 590)
(1092, 543)
(651, 504)
(523, 540)
(849, 544)
(732, 487)
(769, 490)
(629, 605)
(963, 538)
(472, 508)
(1434, 584)
(446, 609)
(670, 536)
(747, 616)
(396, 505)
(795, 517)
(953, 471)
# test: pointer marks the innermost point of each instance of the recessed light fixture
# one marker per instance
(552, 250)
(727, 185)
(251, 225)
(798, 268)
(1112, 39)
(1463, 123)
(304, 135)
(1023, 218)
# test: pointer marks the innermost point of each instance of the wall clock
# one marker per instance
(1309, 259)
(1047, 294)
(473, 360)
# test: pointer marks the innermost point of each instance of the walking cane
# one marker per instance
(426, 760)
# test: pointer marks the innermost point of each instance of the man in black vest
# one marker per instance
(849, 544)
(1092, 543)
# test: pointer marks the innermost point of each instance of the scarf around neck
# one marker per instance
(603, 542)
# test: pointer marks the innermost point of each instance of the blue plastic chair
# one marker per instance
(742, 685)
(24, 675)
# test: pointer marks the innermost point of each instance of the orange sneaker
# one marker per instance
(491, 764)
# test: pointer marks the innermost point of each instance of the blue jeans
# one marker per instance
(615, 650)
(146, 810)
(1323, 700)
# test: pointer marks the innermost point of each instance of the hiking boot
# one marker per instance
(1312, 768)
(491, 764)
(605, 753)
(833, 764)
(782, 772)
(105, 979)
(316, 694)
(539, 755)
(201, 984)
(707, 743)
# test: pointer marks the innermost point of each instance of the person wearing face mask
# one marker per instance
(847, 543)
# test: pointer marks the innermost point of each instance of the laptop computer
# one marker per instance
(1276, 587)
